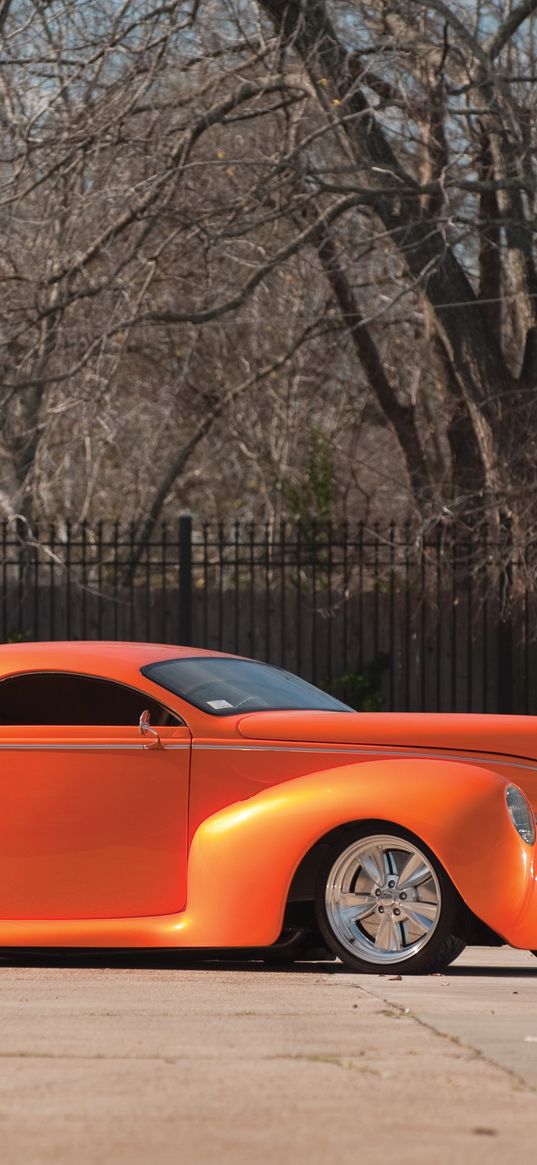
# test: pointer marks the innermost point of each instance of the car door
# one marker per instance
(93, 822)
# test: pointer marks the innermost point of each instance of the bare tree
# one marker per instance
(206, 205)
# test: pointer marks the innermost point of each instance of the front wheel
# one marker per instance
(384, 903)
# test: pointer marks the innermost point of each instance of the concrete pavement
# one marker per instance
(174, 1061)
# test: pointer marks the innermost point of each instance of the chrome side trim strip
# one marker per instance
(357, 751)
(360, 749)
(104, 747)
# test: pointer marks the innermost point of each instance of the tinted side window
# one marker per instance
(56, 698)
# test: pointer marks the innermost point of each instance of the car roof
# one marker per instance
(92, 656)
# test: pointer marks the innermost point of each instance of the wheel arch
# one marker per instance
(302, 887)
(301, 893)
(304, 881)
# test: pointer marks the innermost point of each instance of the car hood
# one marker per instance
(486, 734)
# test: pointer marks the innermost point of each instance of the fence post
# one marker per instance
(185, 580)
(505, 625)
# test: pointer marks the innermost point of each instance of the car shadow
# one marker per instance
(166, 960)
(222, 961)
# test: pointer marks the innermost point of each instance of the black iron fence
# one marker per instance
(374, 613)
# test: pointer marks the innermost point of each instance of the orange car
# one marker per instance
(165, 797)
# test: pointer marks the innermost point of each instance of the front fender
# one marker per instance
(242, 859)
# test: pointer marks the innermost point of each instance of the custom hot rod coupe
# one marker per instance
(166, 797)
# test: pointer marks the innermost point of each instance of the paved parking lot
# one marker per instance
(206, 1062)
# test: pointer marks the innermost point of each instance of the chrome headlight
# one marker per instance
(520, 813)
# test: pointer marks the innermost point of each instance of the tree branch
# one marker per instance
(5, 6)
(495, 43)
(179, 462)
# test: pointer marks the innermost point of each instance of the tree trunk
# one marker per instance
(401, 418)
(462, 322)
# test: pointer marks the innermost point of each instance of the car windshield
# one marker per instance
(224, 686)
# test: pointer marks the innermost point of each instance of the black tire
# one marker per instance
(428, 953)
(454, 947)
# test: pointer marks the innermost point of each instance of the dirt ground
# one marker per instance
(182, 1061)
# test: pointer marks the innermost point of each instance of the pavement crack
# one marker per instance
(397, 1011)
(347, 1063)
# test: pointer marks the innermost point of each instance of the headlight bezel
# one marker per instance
(520, 813)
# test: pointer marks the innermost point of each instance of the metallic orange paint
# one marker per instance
(95, 830)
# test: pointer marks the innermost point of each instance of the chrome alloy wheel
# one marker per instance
(383, 899)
